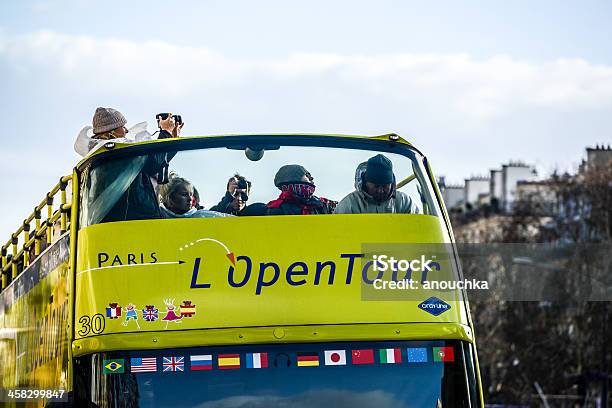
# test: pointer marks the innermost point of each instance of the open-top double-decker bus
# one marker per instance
(113, 303)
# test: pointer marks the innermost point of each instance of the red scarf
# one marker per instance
(289, 197)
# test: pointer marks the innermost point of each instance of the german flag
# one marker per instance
(307, 359)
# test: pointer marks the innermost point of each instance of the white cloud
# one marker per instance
(456, 83)
(466, 114)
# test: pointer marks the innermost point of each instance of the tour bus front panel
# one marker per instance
(236, 271)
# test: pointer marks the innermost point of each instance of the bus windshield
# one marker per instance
(378, 375)
(275, 180)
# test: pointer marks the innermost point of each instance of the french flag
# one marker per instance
(257, 360)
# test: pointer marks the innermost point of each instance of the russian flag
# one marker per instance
(202, 362)
(257, 360)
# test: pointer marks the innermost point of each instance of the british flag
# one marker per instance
(174, 364)
(150, 314)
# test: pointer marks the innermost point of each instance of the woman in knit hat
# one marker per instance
(375, 190)
(137, 176)
(297, 193)
(109, 123)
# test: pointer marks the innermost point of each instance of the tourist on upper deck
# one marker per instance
(236, 196)
(125, 189)
(375, 191)
(196, 199)
(176, 197)
(177, 200)
(297, 194)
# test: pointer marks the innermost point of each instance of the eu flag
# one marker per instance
(417, 355)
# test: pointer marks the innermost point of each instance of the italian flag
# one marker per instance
(390, 356)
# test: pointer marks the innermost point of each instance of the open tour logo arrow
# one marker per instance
(229, 254)
(179, 262)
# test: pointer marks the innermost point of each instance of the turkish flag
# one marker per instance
(365, 356)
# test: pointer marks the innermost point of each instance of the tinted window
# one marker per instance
(131, 188)
(380, 375)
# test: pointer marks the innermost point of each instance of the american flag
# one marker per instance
(174, 364)
(143, 365)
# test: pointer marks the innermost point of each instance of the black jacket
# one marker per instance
(140, 201)
(225, 205)
(287, 208)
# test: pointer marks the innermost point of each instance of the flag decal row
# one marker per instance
(338, 357)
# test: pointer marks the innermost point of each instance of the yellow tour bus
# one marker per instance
(183, 273)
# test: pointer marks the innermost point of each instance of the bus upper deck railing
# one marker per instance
(42, 236)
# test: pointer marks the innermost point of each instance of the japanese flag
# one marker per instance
(335, 357)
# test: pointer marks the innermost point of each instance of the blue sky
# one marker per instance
(473, 84)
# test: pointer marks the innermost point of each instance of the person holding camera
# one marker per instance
(236, 196)
(138, 199)
(169, 125)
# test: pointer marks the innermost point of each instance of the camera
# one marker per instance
(243, 184)
(242, 195)
(163, 116)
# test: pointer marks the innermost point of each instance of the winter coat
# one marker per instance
(225, 205)
(192, 213)
(140, 201)
(360, 202)
(290, 204)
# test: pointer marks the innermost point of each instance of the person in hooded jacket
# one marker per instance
(375, 191)
(297, 194)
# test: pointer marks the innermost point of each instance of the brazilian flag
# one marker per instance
(115, 366)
